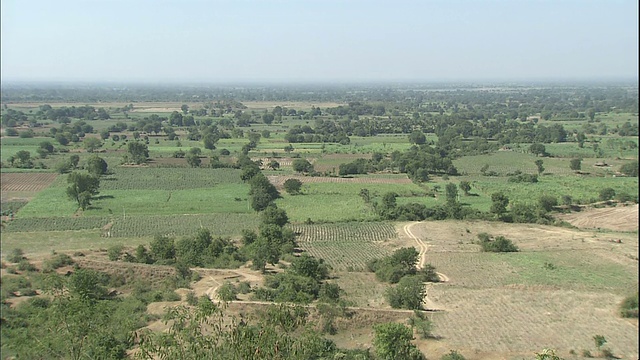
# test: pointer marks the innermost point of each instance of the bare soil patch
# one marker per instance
(619, 218)
(23, 182)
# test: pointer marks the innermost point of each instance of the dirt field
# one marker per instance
(619, 218)
(497, 307)
(26, 181)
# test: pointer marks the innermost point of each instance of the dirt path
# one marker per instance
(429, 304)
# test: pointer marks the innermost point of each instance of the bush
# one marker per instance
(453, 355)
(25, 265)
(500, 244)
(56, 262)
(227, 292)
(606, 194)
(16, 255)
(114, 252)
(630, 169)
(408, 294)
(629, 306)
(192, 299)
(423, 326)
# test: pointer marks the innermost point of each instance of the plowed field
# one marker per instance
(620, 218)
(26, 181)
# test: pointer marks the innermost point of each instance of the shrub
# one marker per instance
(16, 255)
(408, 294)
(629, 306)
(227, 292)
(25, 265)
(423, 326)
(630, 169)
(114, 252)
(292, 186)
(192, 299)
(606, 194)
(56, 262)
(499, 244)
(453, 355)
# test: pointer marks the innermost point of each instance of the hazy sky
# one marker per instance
(318, 40)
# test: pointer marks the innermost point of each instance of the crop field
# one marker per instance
(278, 180)
(132, 178)
(340, 201)
(26, 181)
(346, 245)
(224, 224)
(562, 286)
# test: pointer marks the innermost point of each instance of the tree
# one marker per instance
(210, 141)
(409, 293)
(288, 149)
(465, 186)
(96, 166)
(302, 165)
(45, 149)
(62, 139)
(451, 191)
(184, 108)
(575, 164)
(193, 160)
(606, 194)
(417, 137)
(273, 215)
(591, 113)
(91, 144)
(273, 165)
(74, 160)
(393, 341)
(547, 202)
(292, 186)
(24, 159)
(538, 149)
(139, 151)
(630, 168)
(104, 134)
(309, 266)
(268, 118)
(163, 248)
(499, 202)
(539, 166)
(83, 187)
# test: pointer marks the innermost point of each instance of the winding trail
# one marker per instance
(429, 304)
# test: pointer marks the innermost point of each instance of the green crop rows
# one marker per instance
(345, 246)
(139, 226)
(168, 179)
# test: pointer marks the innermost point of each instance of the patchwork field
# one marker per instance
(561, 289)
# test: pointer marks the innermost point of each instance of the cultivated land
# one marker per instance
(563, 287)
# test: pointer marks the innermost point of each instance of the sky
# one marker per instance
(293, 41)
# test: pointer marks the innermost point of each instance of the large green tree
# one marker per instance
(82, 188)
(138, 151)
(97, 166)
(392, 341)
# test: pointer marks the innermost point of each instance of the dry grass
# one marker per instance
(560, 290)
(619, 218)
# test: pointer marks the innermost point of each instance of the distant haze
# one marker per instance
(285, 41)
